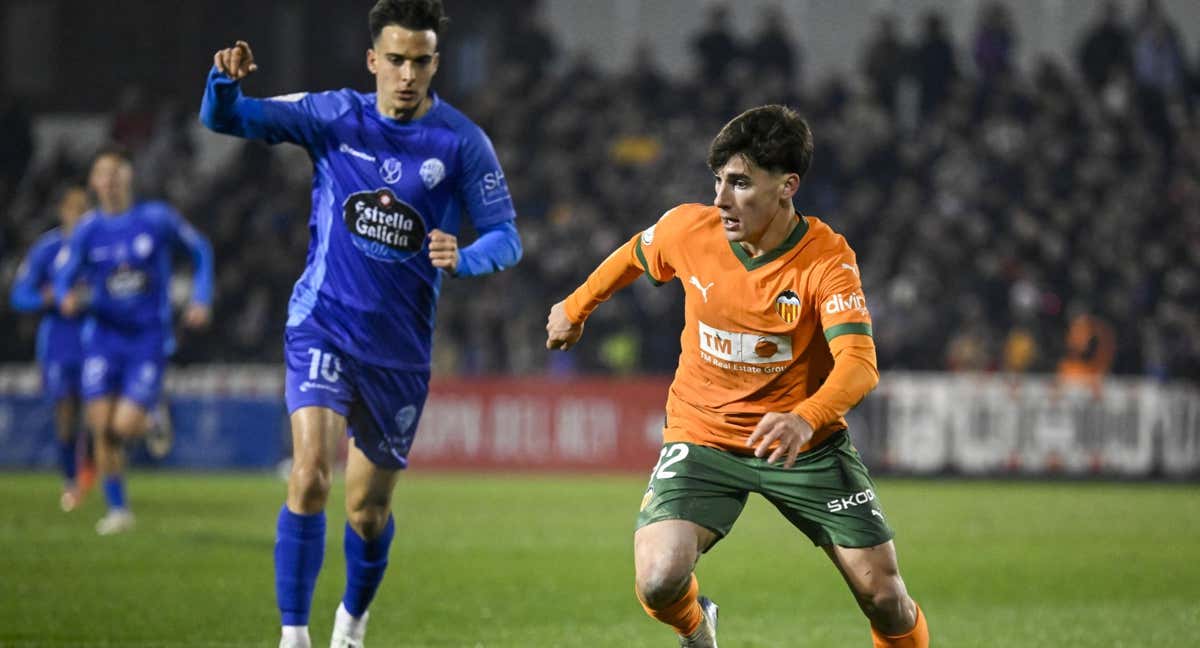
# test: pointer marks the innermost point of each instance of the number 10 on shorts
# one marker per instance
(324, 363)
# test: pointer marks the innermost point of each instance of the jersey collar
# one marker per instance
(790, 242)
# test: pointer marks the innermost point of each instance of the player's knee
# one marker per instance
(662, 582)
(309, 485)
(368, 521)
(888, 606)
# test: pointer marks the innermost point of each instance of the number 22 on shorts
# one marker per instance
(669, 456)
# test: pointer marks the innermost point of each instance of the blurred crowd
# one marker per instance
(1006, 218)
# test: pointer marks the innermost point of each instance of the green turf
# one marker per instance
(530, 561)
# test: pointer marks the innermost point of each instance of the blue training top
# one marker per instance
(58, 336)
(379, 187)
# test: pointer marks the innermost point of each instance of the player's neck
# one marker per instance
(396, 114)
(116, 206)
(777, 232)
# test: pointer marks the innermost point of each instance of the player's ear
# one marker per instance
(371, 60)
(791, 184)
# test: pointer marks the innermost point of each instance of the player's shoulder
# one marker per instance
(328, 105)
(156, 210)
(444, 115)
(679, 222)
(48, 239)
(824, 241)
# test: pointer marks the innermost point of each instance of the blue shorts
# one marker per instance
(61, 379)
(382, 406)
(123, 365)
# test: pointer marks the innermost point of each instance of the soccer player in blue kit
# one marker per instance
(393, 171)
(121, 253)
(58, 348)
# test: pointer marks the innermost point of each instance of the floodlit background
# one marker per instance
(1020, 180)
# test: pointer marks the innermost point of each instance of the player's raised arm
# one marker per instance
(295, 118)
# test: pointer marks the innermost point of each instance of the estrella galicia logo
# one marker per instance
(383, 226)
(391, 171)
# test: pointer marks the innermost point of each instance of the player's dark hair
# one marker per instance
(113, 149)
(773, 137)
(417, 15)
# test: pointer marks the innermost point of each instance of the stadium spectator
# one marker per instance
(885, 62)
(771, 51)
(934, 65)
(716, 48)
(994, 43)
(1106, 48)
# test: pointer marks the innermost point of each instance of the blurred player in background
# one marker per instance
(776, 348)
(393, 172)
(58, 347)
(121, 253)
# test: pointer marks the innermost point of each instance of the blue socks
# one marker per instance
(66, 461)
(366, 560)
(299, 551)
(114, 491)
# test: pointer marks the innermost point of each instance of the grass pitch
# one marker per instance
(520, 561)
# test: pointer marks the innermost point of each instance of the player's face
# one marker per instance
(403, 62)
(751, 199)
(112, 180)
(72, 206)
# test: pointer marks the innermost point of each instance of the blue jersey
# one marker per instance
(379, 187)
(58, 336)
(125, 261)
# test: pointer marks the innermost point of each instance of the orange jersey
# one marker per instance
(758, 330)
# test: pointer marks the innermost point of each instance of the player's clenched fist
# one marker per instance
(236, 62)
(443, 251)
(789, 429)
(561, 332)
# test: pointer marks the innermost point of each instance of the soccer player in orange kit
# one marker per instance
(776, 348)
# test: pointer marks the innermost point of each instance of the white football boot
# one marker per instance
(295, 637)
(115, 521)
(348, 631)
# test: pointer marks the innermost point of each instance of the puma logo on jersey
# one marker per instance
(703, 289)
(850, 268)
(843, 303)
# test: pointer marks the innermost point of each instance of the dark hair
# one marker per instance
(417, 15)
(113, 149)
(774, 138)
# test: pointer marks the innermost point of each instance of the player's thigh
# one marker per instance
(867, 570)
(369, 489)
(696, 484)
(315, 435)
(384, 417)
(130, 418)
(98, 413)
(319, 390)
(669, 549)
(828, 495)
